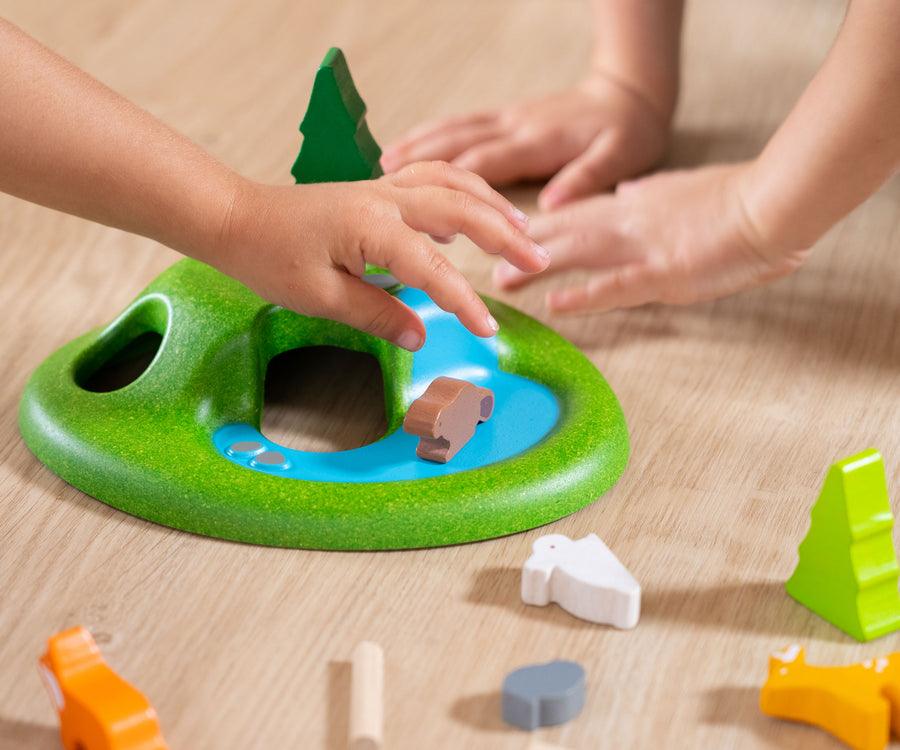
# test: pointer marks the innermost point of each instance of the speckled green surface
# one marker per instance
(147, 447)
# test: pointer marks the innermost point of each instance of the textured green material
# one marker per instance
(147, 449)
(337, 145)
(848, 568)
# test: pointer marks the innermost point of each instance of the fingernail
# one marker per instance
(520, 216)
(492, 323)
(542, 252)
(410, 340)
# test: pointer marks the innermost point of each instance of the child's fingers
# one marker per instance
(505, 160)
(439, 173)
(444, 146)
(374, 311)
(598, 168)
(428, 128)
(625, 286)
(587, 235)
(509, 277)
(417, 263)
(566, 254)
(443, 212)
(594, 247)
(590, 234)
(442, 139)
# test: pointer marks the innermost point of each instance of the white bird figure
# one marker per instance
(584, 577)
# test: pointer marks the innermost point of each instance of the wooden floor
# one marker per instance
(736, 408)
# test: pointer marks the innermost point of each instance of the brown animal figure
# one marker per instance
(445, 416)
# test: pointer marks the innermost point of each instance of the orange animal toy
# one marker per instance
(445, 417)
(97, 709)
(858, 704)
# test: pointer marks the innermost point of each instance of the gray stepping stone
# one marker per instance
(543, 694)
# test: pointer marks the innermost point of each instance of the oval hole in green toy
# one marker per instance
(324, 399)
(121, 367)
(158, 448)
(124, 354)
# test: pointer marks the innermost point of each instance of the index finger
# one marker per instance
(417, 263)
(442, 174)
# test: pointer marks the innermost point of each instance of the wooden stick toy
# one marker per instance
(536, 744)
(367, 697)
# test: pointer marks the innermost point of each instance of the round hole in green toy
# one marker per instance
(556, 442)
(119, 358)
(323, 399)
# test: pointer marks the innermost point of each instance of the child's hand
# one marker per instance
(305, 247)
(675, 237)
(588, 138)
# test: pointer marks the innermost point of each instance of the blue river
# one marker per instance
(524, 412)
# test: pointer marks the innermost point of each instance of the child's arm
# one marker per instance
(613, 125)
(685, 236)
(70, 143)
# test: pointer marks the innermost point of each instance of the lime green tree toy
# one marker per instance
(180, 444)
(848, 568)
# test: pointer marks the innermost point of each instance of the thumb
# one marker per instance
(376, 312)
(595, 170)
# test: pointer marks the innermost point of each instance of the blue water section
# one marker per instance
(524, 412)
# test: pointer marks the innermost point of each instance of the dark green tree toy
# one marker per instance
(337, 144)
(180, 444)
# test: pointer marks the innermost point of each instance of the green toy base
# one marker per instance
(146, 448)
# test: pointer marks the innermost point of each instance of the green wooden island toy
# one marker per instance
(180, 444)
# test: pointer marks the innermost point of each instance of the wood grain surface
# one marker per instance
(736, 409)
